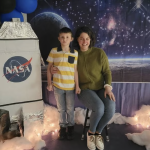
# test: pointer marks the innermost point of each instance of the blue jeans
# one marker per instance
(65, 105)
(102, 108)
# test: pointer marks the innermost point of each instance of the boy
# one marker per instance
(64, 81)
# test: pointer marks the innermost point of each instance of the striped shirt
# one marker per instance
(65, 62)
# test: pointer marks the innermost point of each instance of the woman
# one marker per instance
(95, 83)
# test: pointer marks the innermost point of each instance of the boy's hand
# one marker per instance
(50, 87)
(54, 70)
(78, 90)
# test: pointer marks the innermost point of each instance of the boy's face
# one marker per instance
(65, 39)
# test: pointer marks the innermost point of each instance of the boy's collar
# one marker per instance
(60, 49)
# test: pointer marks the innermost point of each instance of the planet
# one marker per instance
(130, 70)
(46, 26)
(135, 70)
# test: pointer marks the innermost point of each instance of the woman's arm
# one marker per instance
(106, 70)
(107, 77)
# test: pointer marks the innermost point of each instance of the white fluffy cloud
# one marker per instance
(34, 128)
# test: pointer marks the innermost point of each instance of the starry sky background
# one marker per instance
(122, 27)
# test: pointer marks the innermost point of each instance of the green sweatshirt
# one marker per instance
(93, 69)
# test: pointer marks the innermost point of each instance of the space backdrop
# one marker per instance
(122, 30)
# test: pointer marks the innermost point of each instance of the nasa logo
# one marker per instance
(17, 69)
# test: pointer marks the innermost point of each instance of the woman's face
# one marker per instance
(84, 41)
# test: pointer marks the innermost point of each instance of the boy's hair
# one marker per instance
(65, 30)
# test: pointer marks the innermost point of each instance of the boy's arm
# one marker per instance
(49, 77)
(78, 90)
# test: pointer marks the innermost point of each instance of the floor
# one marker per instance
(118, 140)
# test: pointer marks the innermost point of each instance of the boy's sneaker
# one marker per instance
(91, 142)
(62, 133)
(99, 142)
(70, 132)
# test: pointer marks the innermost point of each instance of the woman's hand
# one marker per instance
(109, 93)
(54, 70)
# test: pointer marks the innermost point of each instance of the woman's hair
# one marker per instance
(87, 30)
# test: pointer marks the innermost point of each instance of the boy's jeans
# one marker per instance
(65, 105)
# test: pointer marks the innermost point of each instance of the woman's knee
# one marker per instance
(111, 107)
(99, 109)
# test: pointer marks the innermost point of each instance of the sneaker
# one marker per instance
(91, 142)
(99, 142)
(70, 132)
(62, 133)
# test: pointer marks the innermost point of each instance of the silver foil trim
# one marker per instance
(39, 116)
(16, 30)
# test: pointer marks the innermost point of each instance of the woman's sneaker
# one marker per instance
(62, 133)
(99, 142)
(91, 142)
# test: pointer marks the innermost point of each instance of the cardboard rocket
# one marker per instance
(20, 69)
